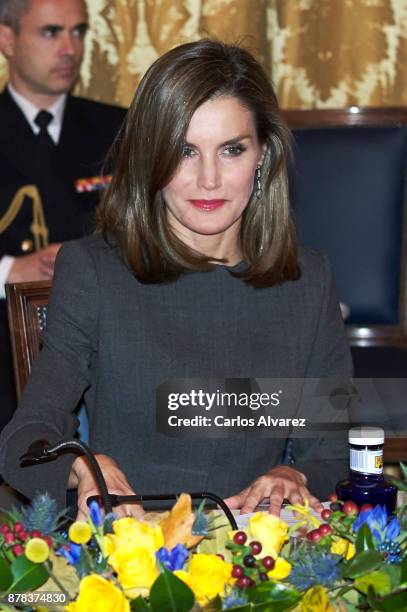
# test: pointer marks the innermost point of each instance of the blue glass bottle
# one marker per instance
(366, 483)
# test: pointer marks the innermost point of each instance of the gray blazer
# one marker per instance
(116, 340)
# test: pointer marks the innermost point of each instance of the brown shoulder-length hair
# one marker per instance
(150, 148)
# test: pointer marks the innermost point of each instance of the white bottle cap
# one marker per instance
(366, 436)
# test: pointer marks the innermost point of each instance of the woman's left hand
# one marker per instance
(279, 483)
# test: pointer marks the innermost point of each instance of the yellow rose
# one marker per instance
(96, 594)
(280, 570)
(316, 600)
(344, 548)
(208, 575)
(270, 530)
(129, 532)
(136, 569)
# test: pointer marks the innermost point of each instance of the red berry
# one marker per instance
(256, 547)
(268, 563)
(4, 529)
(349, 507)
(18, 550)
(263, 577)
(50, 543)
(333, 497)
(240, 537)
(9, 538)
(326, 513)
(365, 508)
(36, 534)
(18, 527)
(237, 571)
(325, 529)
(244, 582)
(22, 535)
(314, 535)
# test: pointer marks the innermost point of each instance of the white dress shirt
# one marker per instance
(54, 130)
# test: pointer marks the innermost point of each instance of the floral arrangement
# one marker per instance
(348, 559)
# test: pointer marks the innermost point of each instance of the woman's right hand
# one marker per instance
(81, 478)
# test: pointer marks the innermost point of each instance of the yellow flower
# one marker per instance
(136, 569)
(96, 594)
(270, 530)
(344, 548)
(280, 570)
(207, 576)
(316, 600)
(129, 532)
(37, 550)
(80, 532)
(306, 512)
(131, 552)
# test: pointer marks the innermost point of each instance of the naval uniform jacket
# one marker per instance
(88, 130)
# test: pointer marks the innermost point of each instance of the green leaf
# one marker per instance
(392, 602)
(6, 576)
(403, 577)
(394, 573)
(400, 484)
(27, 575)
(404, 470)
(364, 539)
(379, 580)
(282, 596)
(171, 594)
(364, 562)
(139, 605)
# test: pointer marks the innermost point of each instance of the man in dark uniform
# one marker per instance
(52, 147)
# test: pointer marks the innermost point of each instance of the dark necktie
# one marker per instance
(43, 139)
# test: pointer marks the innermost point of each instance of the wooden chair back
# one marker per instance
(27, 313)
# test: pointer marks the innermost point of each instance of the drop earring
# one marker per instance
(259, 190)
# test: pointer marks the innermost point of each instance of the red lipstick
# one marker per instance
(207, 205)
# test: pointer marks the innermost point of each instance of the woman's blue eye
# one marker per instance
(234, 150)
(187, 151)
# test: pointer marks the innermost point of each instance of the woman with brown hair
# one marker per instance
(194, 272)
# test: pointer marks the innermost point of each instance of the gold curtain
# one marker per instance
(319, 53)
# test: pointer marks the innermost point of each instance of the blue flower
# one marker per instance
(173, 559)
(71, 554)
(234, 599)
(392, 529)
(378, 522)
(41, 514)
(317, 568)
(95, 514)
(201, 524)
